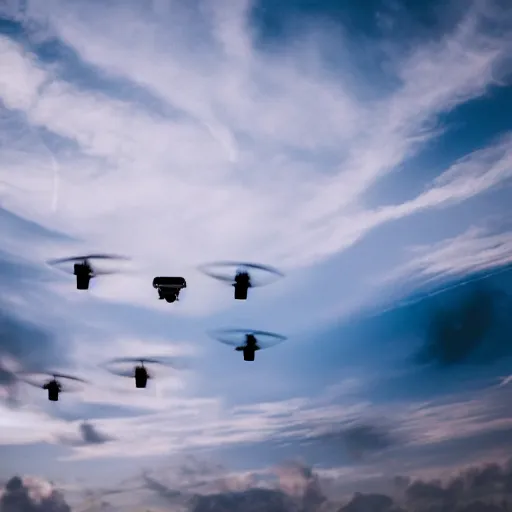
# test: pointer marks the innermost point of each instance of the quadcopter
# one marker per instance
(83, 270)
(138, 372)
(242, 280)
(247, 341)
(53, 386)
(169, 287)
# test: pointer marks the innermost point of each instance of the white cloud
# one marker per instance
(251, 156)
(269, 158)
(480, 250)
(181, 423)
(17, 426)
(25, 76)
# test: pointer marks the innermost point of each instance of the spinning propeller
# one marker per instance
(250, 338)
(83, 269)
(84, 261)
(139, 371)
(242, 276)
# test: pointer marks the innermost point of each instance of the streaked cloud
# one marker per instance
(122, 131)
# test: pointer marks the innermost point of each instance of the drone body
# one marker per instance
(141, 376)
(249, 348)
(169, 287)
(54, 389)
(84, 274)
(242, 284)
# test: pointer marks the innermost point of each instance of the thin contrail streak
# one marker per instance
(55, 169)
(56, 176)
(223, 137)
(505, 381)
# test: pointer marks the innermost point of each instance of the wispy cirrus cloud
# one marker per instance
(477, 249)
(177, 146)
(314, 164)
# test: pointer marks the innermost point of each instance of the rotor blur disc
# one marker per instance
(86, 258)
(39, 379)
(220, 271)
(115, 366)
(237, 337)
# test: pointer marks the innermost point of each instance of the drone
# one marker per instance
(83, 270)
(169, 287)
(242, 280)
(53, 386)
(138, 372)
(247, 341)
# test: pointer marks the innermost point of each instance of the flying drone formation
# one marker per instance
(241, 276)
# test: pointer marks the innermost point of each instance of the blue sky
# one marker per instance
(366, 152)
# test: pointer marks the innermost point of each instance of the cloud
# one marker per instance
(370, 502)
(24, 340)
(357, 143)
(250, 500)
(300, 481)
(360, 439)
(411, 430)
(88, 435)
(172, 141)
(31, 495)
(484, 486)
(475, 252)
(476, 488)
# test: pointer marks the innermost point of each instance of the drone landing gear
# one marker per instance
(241, 292)
(168, 295)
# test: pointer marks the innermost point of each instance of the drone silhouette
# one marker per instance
(53, 386)
(169, 287)
(242, 280)
(247, 341)
(83, 270)
(139, 372)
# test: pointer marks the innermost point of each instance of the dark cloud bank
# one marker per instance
(487, 488)
(481, 489)
(28, 495)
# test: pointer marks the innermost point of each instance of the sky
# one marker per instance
(364, 151)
